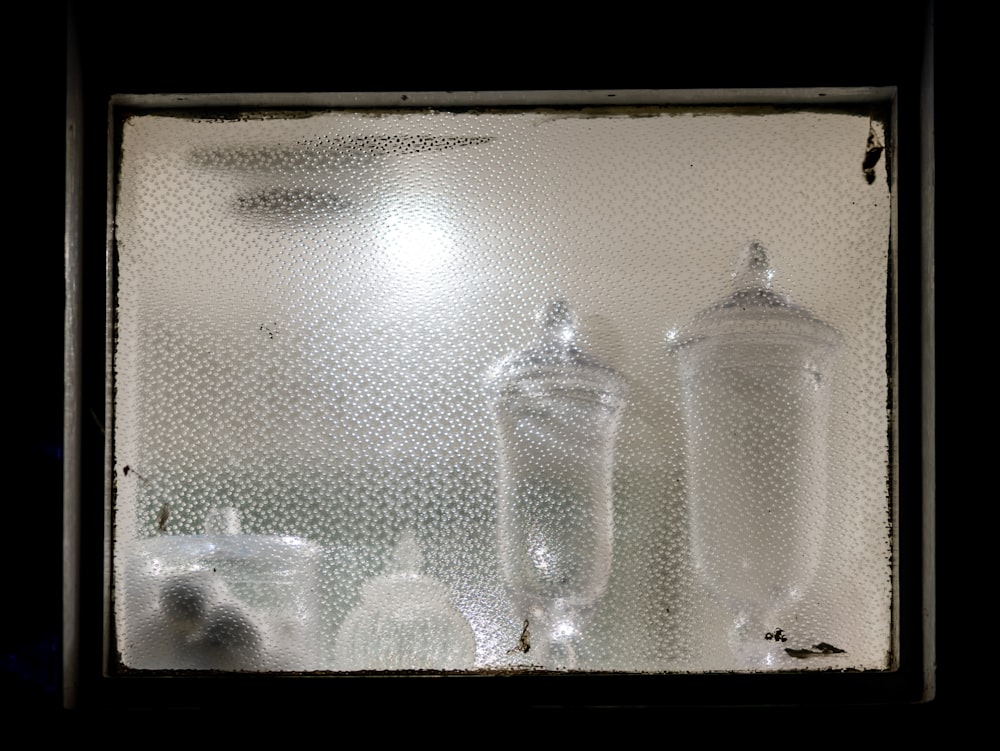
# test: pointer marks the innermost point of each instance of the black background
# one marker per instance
(217, 47)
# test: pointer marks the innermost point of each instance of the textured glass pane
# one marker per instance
(595, 390)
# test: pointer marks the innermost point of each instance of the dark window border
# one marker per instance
(113, 53)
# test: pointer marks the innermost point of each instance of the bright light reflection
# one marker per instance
(542, 557)
(565, 631)
(417, 245)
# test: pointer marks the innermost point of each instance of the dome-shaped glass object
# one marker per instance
(405, 621)
(221, 600)
(755, 372)
(557, 411)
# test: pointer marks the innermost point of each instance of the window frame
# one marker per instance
(99, 98)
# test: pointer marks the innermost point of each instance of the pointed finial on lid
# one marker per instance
(754, 270)
(224, 520)
(406, 558)
(559, 320)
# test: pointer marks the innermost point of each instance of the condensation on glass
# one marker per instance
(599, 389)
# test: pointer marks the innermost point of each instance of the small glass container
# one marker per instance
(405, 621)
(221, 600)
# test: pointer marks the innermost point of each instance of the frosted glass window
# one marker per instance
(599, 389)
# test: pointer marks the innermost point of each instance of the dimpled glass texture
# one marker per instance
(326, 456)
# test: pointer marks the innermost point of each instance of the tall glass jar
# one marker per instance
(755, 372)
(557, 411)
